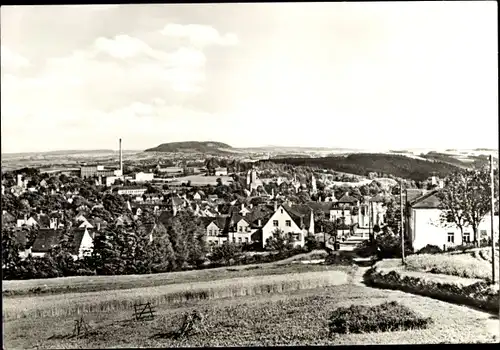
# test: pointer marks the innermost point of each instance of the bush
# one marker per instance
(460, 248)
(339, 259)
(312, 243)
(386, 317)
(430, 249)
(389, 245)
(366, 249)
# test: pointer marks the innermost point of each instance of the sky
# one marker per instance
(353, 75)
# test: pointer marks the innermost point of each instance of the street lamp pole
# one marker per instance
(402, 218)
(492, 185)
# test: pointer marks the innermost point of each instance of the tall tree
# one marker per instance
(465, 199)
(453, 202)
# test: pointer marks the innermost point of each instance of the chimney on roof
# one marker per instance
(275, 206)
(121, 159)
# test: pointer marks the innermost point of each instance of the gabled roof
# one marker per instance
(413, 193)
(300, 214)
(347, 199)
(320, 206)
(149, 227)
(44, 221)
(7, 217)
(220, 221)
(46, 239)
(427, 201)
(379, 198)
(177, 201)
(20, 236)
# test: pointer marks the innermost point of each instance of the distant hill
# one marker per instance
(364, 163)
(445, 158)
(192, 147)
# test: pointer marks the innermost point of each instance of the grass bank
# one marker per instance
(295, 318)
(473, 264)
(465, 291)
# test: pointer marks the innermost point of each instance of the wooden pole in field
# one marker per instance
(369, 220)
(492, 224)
(402, 228)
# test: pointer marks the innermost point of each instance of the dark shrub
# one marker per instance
(339, 259)
(312, 243)
(389, 245)
(430, 249)
(366, 249)
(462, 248)
(387, 317)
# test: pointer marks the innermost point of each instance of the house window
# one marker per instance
(288, 223)
(240, 228)
(467, 237)
(451, 237)
(275, 223)
(281, 211)
(246, 239)
(239, 239)
(234, 239)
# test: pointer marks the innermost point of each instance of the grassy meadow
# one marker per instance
(475, 263)
(73, 304)
(81, 284)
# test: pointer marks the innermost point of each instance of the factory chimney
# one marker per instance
(121, 160)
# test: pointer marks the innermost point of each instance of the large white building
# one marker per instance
(133, 191)
(143, 177)
(424, 226)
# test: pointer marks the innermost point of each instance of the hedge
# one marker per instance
(386, 317)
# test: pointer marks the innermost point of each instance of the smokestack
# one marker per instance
(121, 160)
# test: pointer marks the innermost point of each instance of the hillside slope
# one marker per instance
(192, 147)
(364, 163)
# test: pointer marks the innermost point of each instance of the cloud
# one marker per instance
(123, 47)
(12, 60)
(199, 35)
(182, 68)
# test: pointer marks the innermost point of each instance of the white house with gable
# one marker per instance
(424, 225)
(299, 225)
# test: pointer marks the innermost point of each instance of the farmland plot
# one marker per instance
(293, 318)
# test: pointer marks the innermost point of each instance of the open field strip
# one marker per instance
(76, 303)
(101, 283)
(297, 317)
(468, 265)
